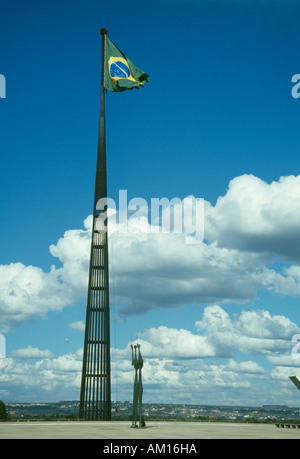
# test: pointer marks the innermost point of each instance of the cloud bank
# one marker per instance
(252, 242)
(178, 363)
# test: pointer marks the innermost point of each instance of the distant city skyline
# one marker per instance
(123, 410)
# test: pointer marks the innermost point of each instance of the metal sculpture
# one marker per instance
(137, 362)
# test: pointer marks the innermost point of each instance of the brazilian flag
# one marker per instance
(120, 73)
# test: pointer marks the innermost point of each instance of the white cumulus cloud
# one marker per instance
(246, 231)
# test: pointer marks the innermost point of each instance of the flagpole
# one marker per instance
(102, 149)
(101, 161)
(95, 396)
(103, 177)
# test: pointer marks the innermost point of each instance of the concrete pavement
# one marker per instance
(153, 430)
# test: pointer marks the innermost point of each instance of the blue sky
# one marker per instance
(217, 121)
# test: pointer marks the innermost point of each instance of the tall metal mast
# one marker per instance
(95, 395)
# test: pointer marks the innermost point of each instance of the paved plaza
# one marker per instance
(154, 430)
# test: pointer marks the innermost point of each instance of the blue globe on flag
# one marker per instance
(119, 69)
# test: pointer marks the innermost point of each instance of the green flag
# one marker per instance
(120, 72)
